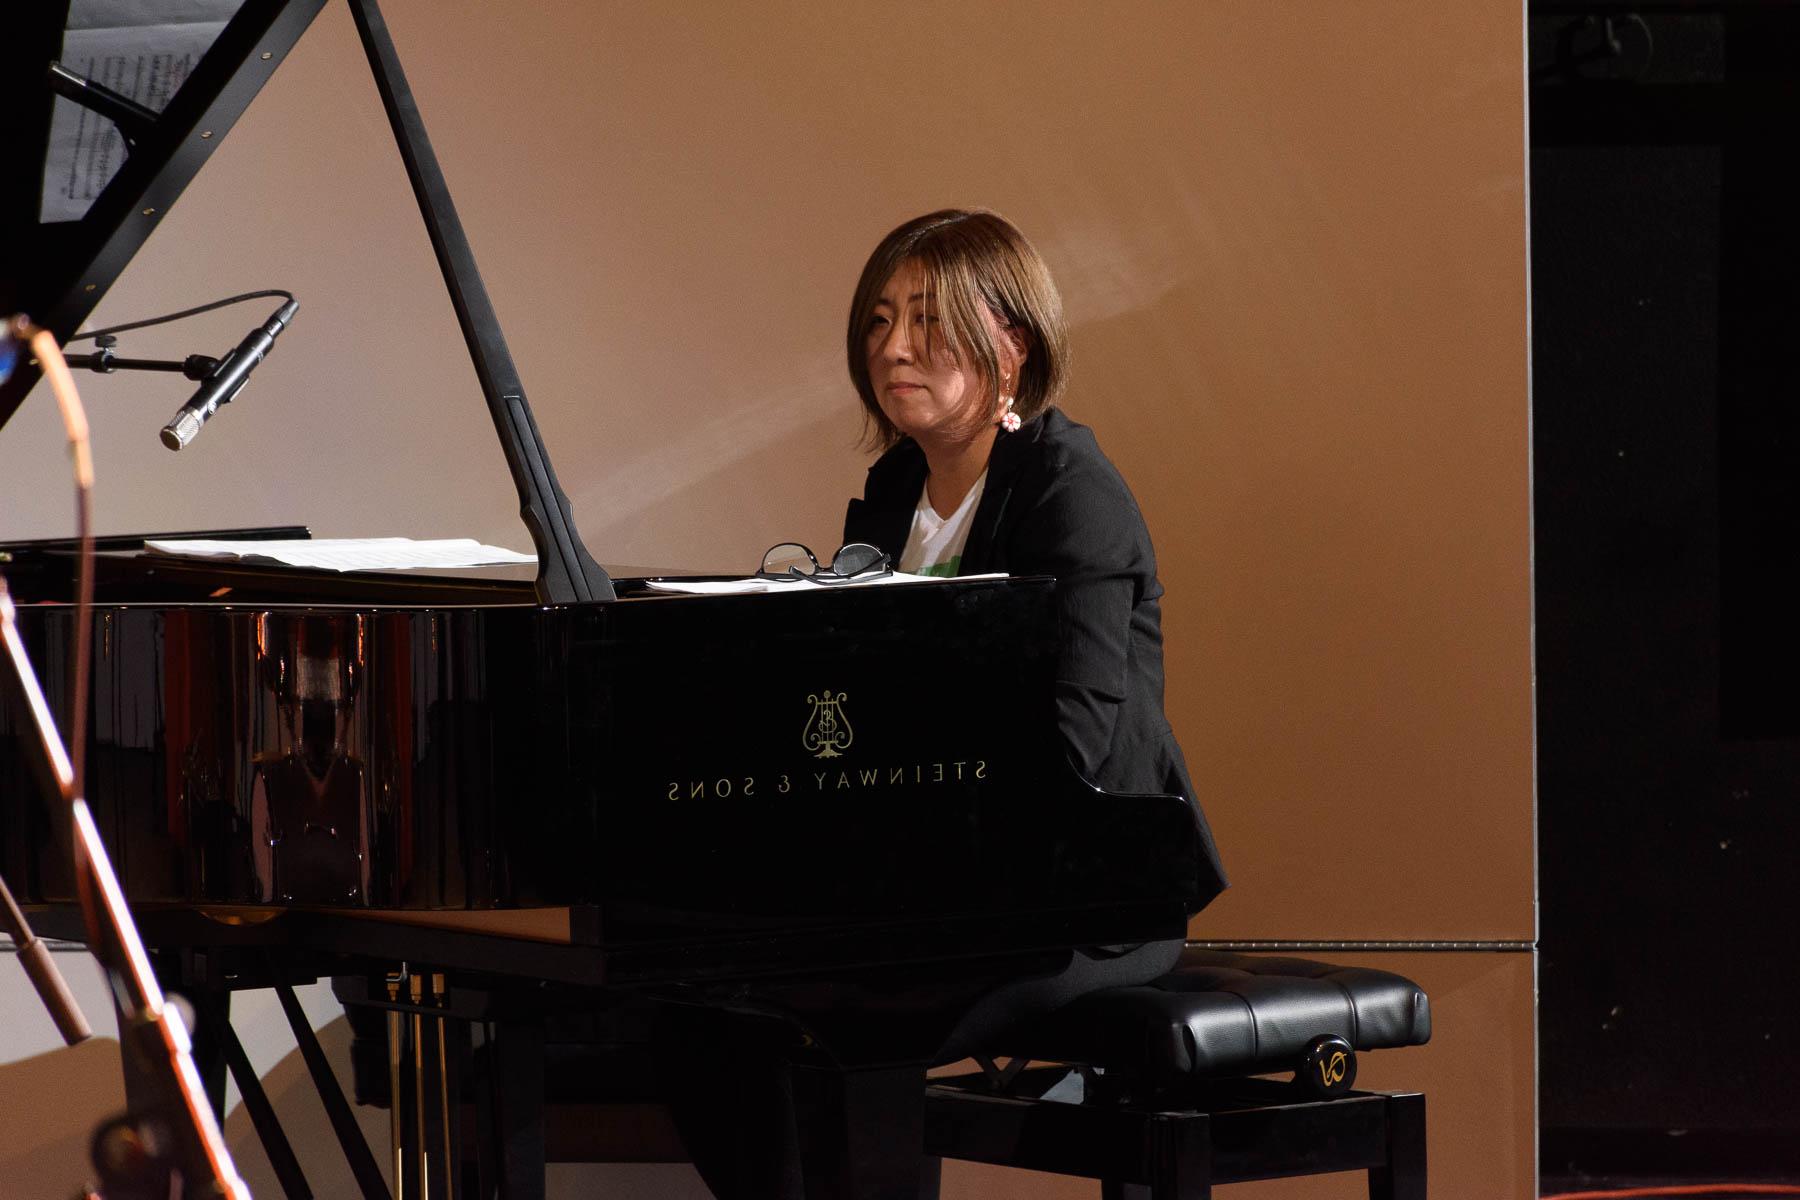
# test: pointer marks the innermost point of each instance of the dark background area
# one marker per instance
(1665, 287)
(32, 38)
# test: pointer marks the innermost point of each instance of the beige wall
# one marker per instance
(1292, 239)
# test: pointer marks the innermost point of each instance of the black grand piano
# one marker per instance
(538, 795)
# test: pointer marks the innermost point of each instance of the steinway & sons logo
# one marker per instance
(826, 735)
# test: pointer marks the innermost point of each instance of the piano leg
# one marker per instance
(862, 1132)
(510, 1112)
(212, 1024)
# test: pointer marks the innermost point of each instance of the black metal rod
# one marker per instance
(343, 1122)
(194, 366)
(566, 571)
(262, 1114)
(133, 120)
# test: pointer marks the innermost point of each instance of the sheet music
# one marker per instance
(145, 55)
(756, 587)
(347, 554)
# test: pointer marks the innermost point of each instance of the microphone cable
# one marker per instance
(182, 315)
(75, 425)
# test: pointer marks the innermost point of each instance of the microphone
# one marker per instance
(223, 385)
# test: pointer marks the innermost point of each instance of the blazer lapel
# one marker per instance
(884, 517)
(1011, 451)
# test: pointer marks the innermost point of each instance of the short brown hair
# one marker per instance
(967, 257)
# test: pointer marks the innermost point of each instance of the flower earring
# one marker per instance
(1009, 420)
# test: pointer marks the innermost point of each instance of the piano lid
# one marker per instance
(70, 222)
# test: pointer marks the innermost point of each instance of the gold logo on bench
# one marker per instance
(1333, 1069)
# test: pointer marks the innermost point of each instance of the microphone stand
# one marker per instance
(174, 1146)
(34, 956)
(53, 992)
(171, 1146)
(104, 362)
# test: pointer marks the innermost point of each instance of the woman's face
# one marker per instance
(921, 387)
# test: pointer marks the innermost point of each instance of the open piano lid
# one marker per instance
(55, 271)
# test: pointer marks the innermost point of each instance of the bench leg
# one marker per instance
(1404, 1176)
(1180, 1166)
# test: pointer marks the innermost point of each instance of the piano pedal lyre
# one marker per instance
(421, 1083)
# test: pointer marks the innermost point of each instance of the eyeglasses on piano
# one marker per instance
(853, 562)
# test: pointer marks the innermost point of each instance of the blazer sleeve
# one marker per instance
(1085, 528)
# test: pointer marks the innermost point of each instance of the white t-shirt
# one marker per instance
(935, 544)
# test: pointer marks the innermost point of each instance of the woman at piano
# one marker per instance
(958, 351)
(957, 348)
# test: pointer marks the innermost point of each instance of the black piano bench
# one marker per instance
(1165, 1103)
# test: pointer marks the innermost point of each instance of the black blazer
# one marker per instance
(1054, 505)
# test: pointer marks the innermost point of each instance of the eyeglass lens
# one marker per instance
(789, 558)
(856, 558)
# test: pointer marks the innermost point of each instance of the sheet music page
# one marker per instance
(141, 51)
(760, 587)
(347, 554)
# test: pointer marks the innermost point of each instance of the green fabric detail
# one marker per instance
(943, 570)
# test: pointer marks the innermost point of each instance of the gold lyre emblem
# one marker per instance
(1331, 1070)
(827, 733)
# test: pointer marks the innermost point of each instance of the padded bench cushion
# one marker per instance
(1220, 1013)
